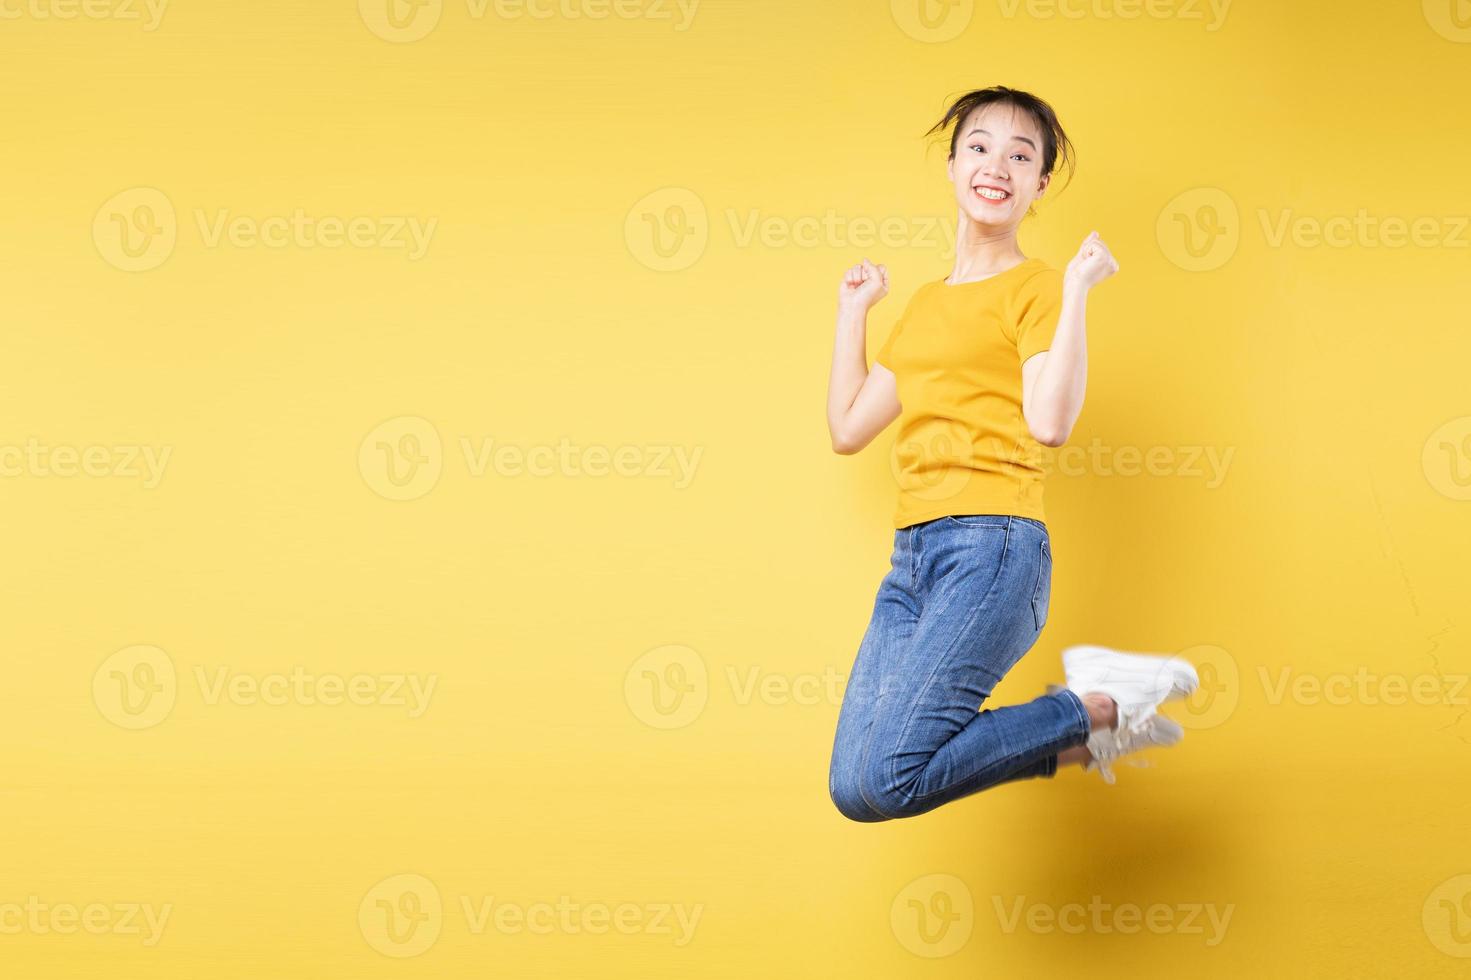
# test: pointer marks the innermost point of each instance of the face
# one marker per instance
(997, 168)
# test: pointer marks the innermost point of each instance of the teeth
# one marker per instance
(992, 195)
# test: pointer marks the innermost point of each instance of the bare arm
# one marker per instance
(1054, 381)
(861, 401)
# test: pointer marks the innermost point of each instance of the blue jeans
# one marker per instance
(964, 598)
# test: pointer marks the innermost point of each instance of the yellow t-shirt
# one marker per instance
(963, 445)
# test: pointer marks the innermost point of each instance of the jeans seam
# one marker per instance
(1009, 762)
(1008, 765)
(913, 550)
(1037, 618)
(1079, 708)
(1060, 742)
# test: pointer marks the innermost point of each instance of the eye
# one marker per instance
(1021, 156)
(978, 147)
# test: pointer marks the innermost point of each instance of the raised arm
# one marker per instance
(861, 401)
(1054, 381)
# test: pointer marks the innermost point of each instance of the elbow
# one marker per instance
(1050, 435)
(1050, 428)
(844, 444)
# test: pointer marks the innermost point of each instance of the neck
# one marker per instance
(983, 250)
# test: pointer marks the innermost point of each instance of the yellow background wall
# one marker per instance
(632, 230)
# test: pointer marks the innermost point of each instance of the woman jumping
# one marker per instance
(983, 369)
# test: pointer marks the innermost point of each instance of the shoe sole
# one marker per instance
(1164, 732)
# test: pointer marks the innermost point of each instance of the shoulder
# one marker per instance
(1039, 279)
(1036, 291)
(922, 294)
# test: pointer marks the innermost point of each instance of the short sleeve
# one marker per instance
(884, 356)
(1038, 306)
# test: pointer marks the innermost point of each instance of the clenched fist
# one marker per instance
(863, 286)
(1093, 263)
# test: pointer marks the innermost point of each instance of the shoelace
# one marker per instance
(1106, 771)
(1113, 751)
(1123, 740)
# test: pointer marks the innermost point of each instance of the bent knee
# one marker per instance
(883, 796)
(847, 796)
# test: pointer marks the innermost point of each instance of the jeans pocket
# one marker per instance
(1042, 591)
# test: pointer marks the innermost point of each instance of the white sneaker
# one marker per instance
(1138, 684)
(1135, 673)
(1107, 745)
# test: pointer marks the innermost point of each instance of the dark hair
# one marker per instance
(1057, 149)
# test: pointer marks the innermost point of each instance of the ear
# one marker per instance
(950, 169)
(1042, 187)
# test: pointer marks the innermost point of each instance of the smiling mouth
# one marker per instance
(992, 194)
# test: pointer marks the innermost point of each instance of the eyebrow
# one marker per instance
(1022, 138)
